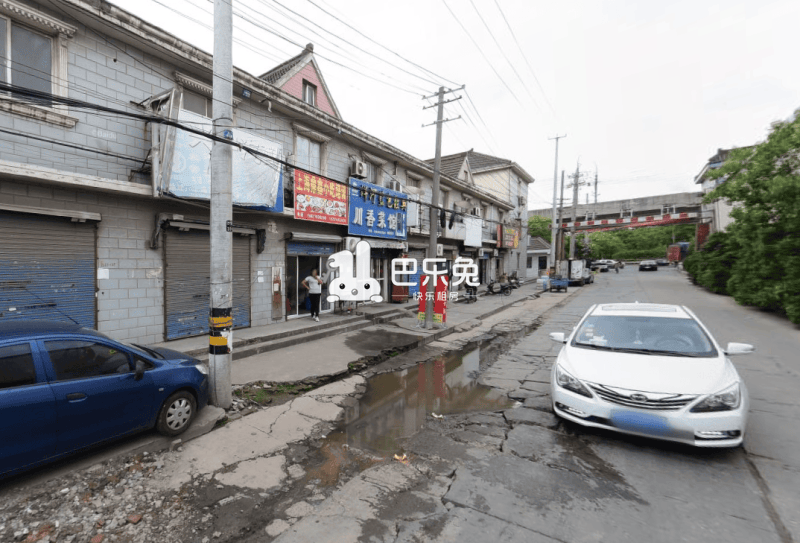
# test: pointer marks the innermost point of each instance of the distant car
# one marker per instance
(648, 265)
(650, 370)
(600, 265)
(64, 388)
(662, 262)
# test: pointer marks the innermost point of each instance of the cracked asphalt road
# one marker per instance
(524, 475)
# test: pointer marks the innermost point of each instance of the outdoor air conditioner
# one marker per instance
(495, 252)
(481, 252)
(358, 169)
(350, 243)
(439, 249)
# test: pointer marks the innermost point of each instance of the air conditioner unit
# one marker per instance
(478, 212)
(439, 249)
(495, 252)
(358, 169)
(350, 243)
(522, 201)
(481, 253)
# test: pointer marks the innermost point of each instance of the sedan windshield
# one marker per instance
(645, 335)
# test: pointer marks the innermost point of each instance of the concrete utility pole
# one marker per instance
(435, 195)
(220, 321)
(559, 230)
(575, 184)
(554, 232)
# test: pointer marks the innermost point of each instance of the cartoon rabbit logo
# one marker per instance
(350, 286)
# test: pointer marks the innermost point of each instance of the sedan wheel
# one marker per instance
(177, 413)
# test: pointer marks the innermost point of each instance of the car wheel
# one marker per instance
(177, 413)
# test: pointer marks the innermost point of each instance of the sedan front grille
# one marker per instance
(642, 400)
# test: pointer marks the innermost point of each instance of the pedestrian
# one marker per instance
(313, 283)
(616, 266)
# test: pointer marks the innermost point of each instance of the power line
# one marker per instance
(502, 52)
(482, 54)
(525, 58)
(35, 95)
(348, 25)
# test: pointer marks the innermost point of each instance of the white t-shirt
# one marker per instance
(315, 285)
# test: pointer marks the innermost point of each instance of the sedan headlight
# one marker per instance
(565, 380)
(724, 400)
(202, 368)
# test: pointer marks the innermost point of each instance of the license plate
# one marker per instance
(640, 422)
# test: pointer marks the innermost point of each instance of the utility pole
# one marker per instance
(559, 230)
(220, 322)
(554, 232)
(575, 184)
(435, 195)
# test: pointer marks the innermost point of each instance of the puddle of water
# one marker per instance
(396, 405)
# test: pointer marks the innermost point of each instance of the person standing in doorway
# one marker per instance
(313, 283)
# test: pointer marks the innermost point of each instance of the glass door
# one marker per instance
(298, 302)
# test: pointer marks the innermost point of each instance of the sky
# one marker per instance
(645, 92)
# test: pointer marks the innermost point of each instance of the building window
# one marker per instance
(196, 103)
(530, 262)
(373, 173)
(412, 181)
(26, 57)
(309, 93)
(309, 154)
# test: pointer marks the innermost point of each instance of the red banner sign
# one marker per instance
(319, 199)
(439, 301)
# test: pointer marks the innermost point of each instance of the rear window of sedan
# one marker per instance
(645, 335)
(16, 366)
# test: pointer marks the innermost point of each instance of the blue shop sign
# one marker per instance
(376, 212)
(308, 248)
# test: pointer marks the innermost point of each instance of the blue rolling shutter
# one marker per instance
(47, 268)
(187, 290)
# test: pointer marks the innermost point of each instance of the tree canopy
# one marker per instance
(539, 226)
(761, 247)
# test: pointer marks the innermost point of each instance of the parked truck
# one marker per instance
(677, 252)
(577, 272)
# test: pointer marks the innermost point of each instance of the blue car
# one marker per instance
(64, 388)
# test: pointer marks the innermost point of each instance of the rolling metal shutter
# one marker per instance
(188, 268)
(47, 269)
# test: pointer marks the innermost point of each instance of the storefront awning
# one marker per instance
(375, 243)
(319, 238)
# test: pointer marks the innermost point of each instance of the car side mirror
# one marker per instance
(739, 348)
(558, 337)
(139, 372)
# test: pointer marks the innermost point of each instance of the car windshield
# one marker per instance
(645, 335)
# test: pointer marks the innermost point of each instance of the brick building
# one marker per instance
(103, 219)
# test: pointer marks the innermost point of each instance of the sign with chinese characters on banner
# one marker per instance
(510, 237)
(439, 295)
(319, 199)
(376, 212)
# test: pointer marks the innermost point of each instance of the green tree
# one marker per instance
(539, 226)
(763, 182)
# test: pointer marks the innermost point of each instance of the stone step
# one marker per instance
(311, 334)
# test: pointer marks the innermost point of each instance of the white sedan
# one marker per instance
(650, 370)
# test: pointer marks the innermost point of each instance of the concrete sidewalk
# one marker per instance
(302, 348)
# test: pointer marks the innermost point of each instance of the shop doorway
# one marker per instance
(298, 268)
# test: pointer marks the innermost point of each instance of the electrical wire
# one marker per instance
(503, 53)
(533, 73)
(38, 95)
(480, 50)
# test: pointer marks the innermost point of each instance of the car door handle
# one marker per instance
(76, 396)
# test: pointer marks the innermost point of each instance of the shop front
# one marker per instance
(305, 253)
(378, 215)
